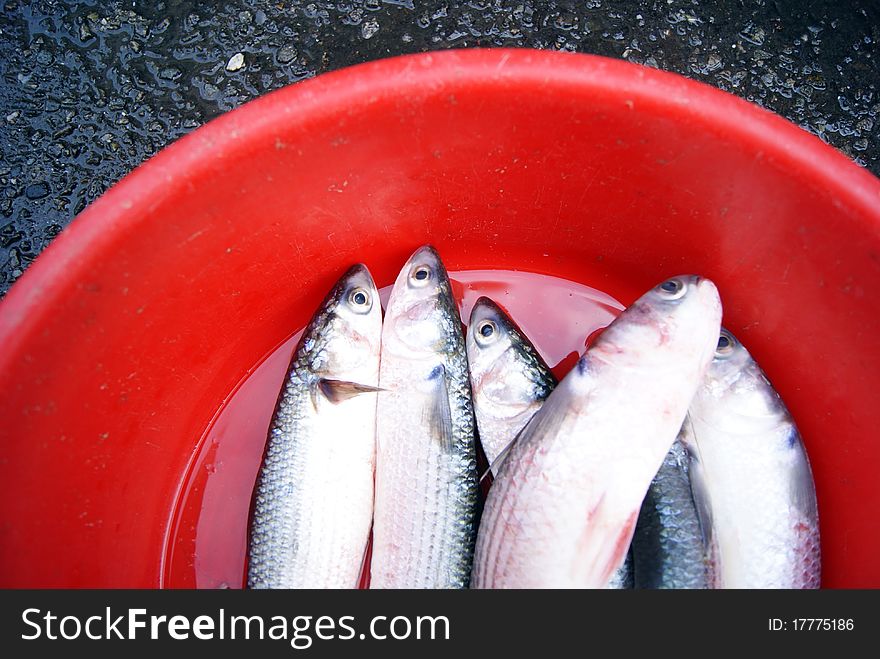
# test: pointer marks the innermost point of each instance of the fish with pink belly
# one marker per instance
(562, 509)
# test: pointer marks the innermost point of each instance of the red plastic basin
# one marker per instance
(123, 339)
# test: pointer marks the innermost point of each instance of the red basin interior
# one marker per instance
(122, 341)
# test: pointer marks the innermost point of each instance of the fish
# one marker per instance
(751, 478)
(509, 379)
(313, 500)
(426, 510)
(669, 547)
(562, 509)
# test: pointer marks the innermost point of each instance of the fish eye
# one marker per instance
(420, 275)
(726, 344)
(672, 289)
(360, 300)
(486, 332)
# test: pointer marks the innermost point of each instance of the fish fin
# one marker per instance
(496, 463)
(313, 394)
(438, 413)
(485, 474)
(803, 489)
(337, 391)
(700, 493)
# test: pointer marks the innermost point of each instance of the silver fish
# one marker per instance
(426, 478)
(562, 509)
(751, 478)
(509, 378)
(510, 381)
(314, 493)
(668, 547)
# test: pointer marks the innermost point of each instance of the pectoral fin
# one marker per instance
(700, 492)
(337, 391)
(496, 463)
(438, 413)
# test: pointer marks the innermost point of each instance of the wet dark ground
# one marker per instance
(89, 90)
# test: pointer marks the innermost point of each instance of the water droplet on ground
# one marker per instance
(235, 62)
(369, 28)
(37, 190)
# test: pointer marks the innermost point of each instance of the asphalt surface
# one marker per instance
(89, 90)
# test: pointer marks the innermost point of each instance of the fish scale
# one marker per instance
(668, 546)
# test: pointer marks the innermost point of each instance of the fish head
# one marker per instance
(488, 337)
(730, 362)
(347, 332)
(504, 366)
(736, 385)
(664, 327)
(421, 309)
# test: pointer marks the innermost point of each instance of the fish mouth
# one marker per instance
(707, 289)
(705, 286)
(425, 254)
(701, 287)
(359, 275)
